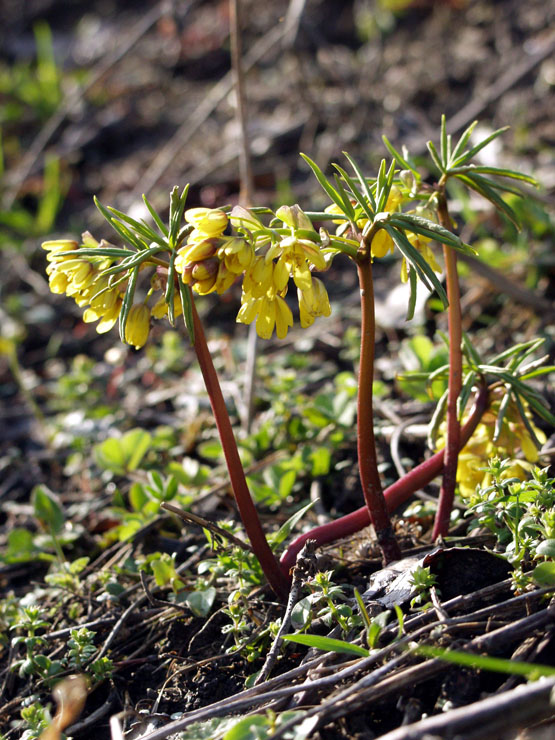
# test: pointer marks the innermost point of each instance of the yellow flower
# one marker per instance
(313, 303)
(514, 437)
(269, 312)
(160, 308)
(422, 244)
(208, 222)
(381, 244)
(138, 325)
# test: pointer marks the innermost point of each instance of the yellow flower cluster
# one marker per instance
(266, 280)
(210, 261)
(514, 438)
(81, 278)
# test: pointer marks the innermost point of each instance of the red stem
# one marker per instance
(395, 495)
(452, 446)
(367, 458)
(276, 577)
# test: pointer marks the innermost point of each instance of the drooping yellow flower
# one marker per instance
(513, 438)
(160, 308)
(269, 312)
(313, 303)
(138, 325)
(422, 244)
(208, 222)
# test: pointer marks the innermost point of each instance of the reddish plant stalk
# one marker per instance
(452, 445)
(395, 495)
(270, 566)
(366, 446)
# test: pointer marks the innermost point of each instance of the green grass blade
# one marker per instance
(329, 644)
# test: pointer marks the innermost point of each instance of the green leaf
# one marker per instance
(47, 509)
(127, 301)
(498, 171)
(362, 180)
(401, 161)
(157, 220)
(120, 228)
(412, 255)
(546, 549)
(435, 421)
(485, 662)
(177, 207)
(413, 281)
(503, 406)
(139, 227)
(462, 142)
(361, 200)
(430, 229)
(187, 303)
(445, 144)
(328, 644)
(122, 455)
(319, 175)
(347, 205)
(435, 156)
(285, 530)
(472, 152)
(482, 186)
(385, 181)
(201, 602)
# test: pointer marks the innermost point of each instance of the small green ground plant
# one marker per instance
(160, 268)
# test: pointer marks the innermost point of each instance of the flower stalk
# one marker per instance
(366, 445)
(276, 577)
(394, 495)
(452, 446)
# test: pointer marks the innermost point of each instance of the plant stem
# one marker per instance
(274, 574)
(367, 458)
(395, 495)
(452, 446)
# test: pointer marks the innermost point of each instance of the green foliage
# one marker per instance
(123, 454)
(521, 514)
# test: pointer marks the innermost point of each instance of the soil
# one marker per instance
(155, 109)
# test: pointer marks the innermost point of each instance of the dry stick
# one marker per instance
(246, 194)
(188, 516)
(485, 718)
(366, 445)
(276, 578)
(452, 445)
(304, 568)
(395, 495)
(167, 154)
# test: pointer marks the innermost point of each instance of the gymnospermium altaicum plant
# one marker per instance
(160, 269)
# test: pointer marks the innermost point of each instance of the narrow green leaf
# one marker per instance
(359, 197)
(435, 421)
(462, 142)
(157, 220)
(413, 282)
(319, 175)
(329, 644)
(401, 161)
(137, 258)
(435, 156)
(115, 252)
(324, 216)
(187, 302)
(471, 352)
(526, 421)
(119, 227)
(347, 205)
(487, 663)
(515, 349)
(127, 301)
(425, 272)
(472, 152)
(497, 171)
(423, 226)
(177, 207)
(444, 149)
(140, 227)
(481, 186)
(536, 372)
(285, 530)
(382, 192)
(464, 395)
(170, 288)
(362, 180)
(503, 406)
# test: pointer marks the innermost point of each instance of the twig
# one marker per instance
(188, 516)
(304, 568)
(486, 718)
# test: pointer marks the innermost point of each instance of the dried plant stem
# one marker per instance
(452, 446)
(367, 458)
(275, 576)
